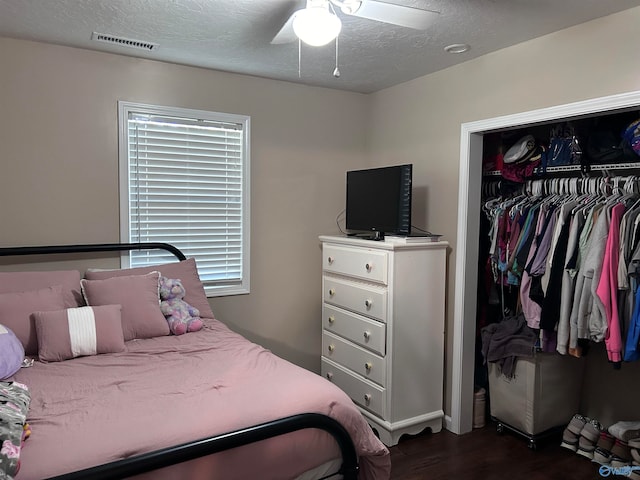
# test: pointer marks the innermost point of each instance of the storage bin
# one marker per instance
(544, 392)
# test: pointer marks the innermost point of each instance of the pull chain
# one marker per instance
(336, 72)
(299, 57)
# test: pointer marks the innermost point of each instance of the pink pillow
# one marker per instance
(185, 270)
(138, 295)
(11, 282)
(75, 332)
(15, 309)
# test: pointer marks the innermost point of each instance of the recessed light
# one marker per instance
(457, 48)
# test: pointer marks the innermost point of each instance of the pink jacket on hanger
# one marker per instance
(607, 289)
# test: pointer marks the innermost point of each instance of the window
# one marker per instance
(184, 180)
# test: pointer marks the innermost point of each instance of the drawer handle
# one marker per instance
(368, 366)
(331, 319)
(367, 335)
(329, 376)
(367, 398)
(331, 348)
(368, 303)
(368, 266)
(332, 292)
(330, 260)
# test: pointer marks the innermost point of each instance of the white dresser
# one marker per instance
(383, 330)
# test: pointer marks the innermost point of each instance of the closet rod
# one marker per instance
(605, 185)
(574, 168)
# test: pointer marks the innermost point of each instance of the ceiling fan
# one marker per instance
(317, 24)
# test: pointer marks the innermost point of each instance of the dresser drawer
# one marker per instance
(350, 355)
(365, 298)
(367, 333)
(369, 265)
(364, 393)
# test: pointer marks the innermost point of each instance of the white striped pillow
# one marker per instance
(75, 332)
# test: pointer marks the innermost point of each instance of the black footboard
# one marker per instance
(181, 453)
(206, 446)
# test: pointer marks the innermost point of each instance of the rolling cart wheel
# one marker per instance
(500, 428)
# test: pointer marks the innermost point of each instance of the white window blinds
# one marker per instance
(186, 181)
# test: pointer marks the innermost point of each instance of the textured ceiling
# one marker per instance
(235, 35)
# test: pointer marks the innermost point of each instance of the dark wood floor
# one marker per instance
(483, 454)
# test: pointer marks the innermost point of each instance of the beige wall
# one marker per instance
(59, 182)
(419, 121)
(58, 144)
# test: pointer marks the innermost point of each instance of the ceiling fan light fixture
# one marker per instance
(316, 26)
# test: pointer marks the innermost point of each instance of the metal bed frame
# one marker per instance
(199, 448)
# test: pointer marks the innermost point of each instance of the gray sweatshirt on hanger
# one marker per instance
(591, 321)
(568, 285)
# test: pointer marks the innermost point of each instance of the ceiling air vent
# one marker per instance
(123, 42)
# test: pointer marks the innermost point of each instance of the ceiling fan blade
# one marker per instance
(396, 14)
(286, 33)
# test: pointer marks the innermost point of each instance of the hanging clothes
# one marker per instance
(571, 247)
(569, 273)
(530, 308)
(607, 288)
(588, 318)
(551, 304)
(632, 346)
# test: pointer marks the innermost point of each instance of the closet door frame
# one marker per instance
(468, 230)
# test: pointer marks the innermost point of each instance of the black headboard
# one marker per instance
(95, 247)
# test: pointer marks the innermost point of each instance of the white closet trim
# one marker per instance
(469, 188)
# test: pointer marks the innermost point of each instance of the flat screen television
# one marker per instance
(379, 201)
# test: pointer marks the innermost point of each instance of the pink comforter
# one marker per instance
(169, 390)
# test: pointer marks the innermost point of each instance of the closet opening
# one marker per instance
(468, 231)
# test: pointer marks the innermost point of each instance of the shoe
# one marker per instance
(589, 436)
(620, 454)
(635, 455)
(591, 431)
(577, 424)
(618, 462)
(569, 440)
(602, 452)
(634, 443)
(625, 431)
(601, 456)
(585, 448)
(571, 433)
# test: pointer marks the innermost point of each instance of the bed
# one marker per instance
(206, 404)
